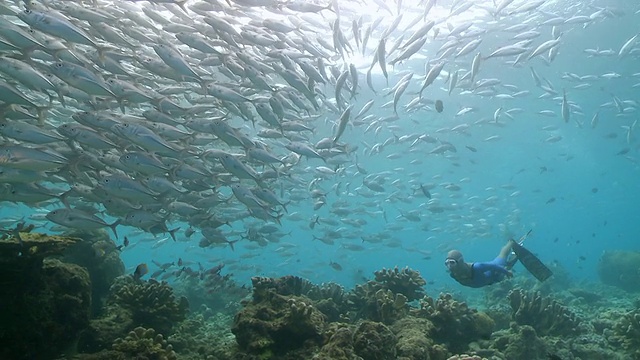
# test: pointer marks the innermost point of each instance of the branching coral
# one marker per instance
(546, 315)
(329, 298)
(627, 331)
(455, 323)
(406, 282)
(151, 303)
(144, 343)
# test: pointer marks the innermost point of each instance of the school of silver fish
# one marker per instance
(179, 117)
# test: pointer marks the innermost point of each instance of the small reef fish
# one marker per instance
(141, 270)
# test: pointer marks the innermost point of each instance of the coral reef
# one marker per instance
(46, 303)
(275, 324)
(99, 255)
(211, 289)
(374, 341)
(339, 345)
(455, 323)
(286, 285)
(520, 342)
(414, 339)
(140, 343)
(365, 302)
(132, 303)
(546, 315)
(385, 298)
(406, 282)
(33, 246)
(627, 331)
(620, 268)
(144, 343)
(151, 303)
(204, 335)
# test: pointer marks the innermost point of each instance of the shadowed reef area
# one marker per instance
(65, 307)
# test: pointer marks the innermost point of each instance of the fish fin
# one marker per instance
(113, 227)
(172, 233)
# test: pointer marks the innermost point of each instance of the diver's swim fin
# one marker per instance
(531, 262)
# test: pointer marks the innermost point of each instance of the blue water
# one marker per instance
(596, 192)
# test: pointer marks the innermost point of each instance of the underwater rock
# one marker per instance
(45, 302)
(33, 246)
(99, 255)
(277, 324)
(374, 341)
(620, 268)
(546, 315)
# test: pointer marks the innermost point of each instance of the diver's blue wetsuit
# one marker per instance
(485, 273)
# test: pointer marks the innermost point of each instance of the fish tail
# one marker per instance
(172, 233)
(113, 227)
(284, 206)
(181, 3)
(42, 114)
(231, 242)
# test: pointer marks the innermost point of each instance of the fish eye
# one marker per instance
(59, 65)
(27, 11)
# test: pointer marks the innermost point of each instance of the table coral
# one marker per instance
(546, 315)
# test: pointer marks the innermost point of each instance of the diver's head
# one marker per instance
(454, 259)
